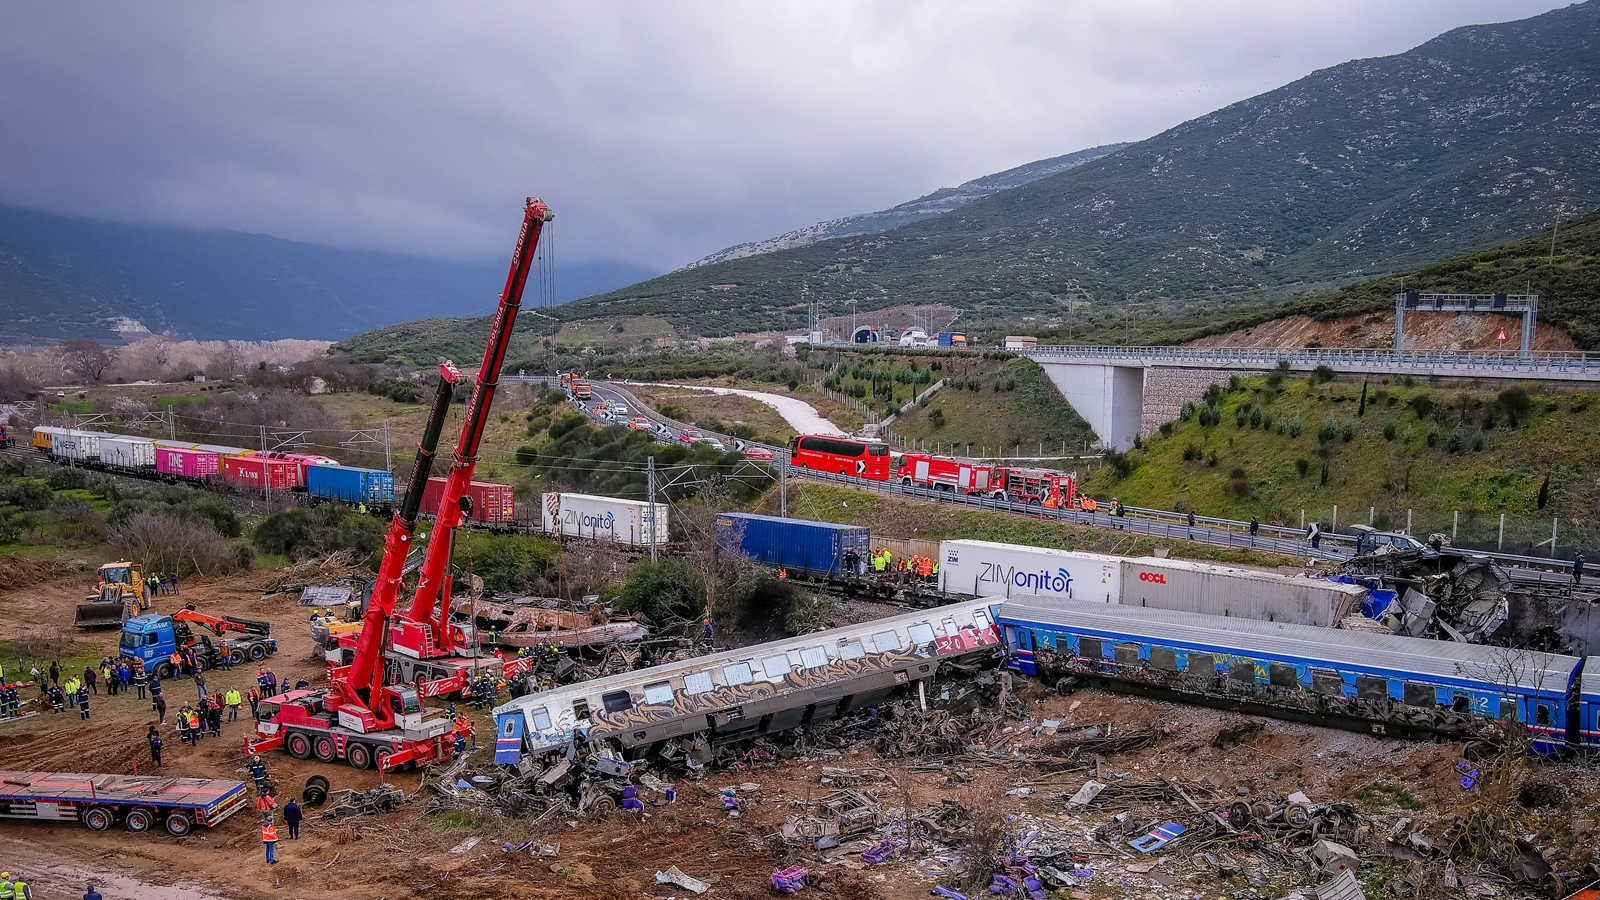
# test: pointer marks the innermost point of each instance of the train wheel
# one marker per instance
(179, 824)
(324, 748)
(98, 818)
(140, 819)
(316, 791)
(298, 745)
(359, 756)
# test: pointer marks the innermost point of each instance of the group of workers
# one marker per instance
(155, 584)
(922, 568)
(16, 887)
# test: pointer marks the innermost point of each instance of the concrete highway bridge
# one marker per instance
(1113, 387)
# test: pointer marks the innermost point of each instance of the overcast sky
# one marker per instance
(658, 132)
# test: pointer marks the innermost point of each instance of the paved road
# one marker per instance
(801, 416)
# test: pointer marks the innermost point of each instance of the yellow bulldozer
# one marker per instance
(119, 595)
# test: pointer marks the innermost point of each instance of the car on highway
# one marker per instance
(641, 423)
(714, 444)
(690, 436)
(1370, 540)
(753, 451)
(621, 409)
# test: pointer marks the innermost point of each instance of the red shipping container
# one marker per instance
(492, 504)
(251, 471)
(187, 463)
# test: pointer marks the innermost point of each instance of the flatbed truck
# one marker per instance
(140, 803)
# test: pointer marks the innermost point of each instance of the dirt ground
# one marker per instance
(408, 853)
(1425, 330)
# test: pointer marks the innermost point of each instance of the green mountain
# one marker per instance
(63, 277)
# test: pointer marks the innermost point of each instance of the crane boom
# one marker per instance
(362, 682)
(428, 612)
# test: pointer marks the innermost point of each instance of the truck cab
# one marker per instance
(152, 638)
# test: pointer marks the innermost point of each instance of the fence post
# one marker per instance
(1336, 518)
(1302, 520)
(1455, 524)
(1372, 514)
(1501, 543)
(1553, 523)
(1408, 521)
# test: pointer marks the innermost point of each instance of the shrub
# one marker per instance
(1302, 466)
(1389, 431)
(1421, 405)
(506, 562)
(1322, 374)
(1241, 416)
(1236, 472)
(304, 534)
(1516, 403)
(1255, 417)
(1433, 436)
(1211, 457)
(1328, 431)
(664, 589)
(1455, 442)
(936, 418)
(1282, 425)
(1166, 429)
(1213, 395)
(1240, 487)
(1192, 453)
(1347, 432)
(1477, 441)
(1295, 427)
(1186, 413)
(1121, 463)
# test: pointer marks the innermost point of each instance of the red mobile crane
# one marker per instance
(362, 718)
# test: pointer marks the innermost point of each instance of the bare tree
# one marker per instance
(164, 543)
(85, 359)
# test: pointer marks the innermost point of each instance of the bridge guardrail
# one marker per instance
(1537, 361)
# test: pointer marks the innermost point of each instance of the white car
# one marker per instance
(714, 444)
(621, 410)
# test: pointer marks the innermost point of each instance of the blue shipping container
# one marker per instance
(350, 484)
(799, 545)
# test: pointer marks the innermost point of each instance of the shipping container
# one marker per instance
(256, 472)
(181, 462)
(800, 546)
(350, 484)
(127, 453)
(986, 568)
(492, 504)
(603, 518)
(1186, 586)
(77, 446)
(952, 339)
(1021, 342)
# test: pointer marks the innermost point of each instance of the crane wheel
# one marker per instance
(298, 745)
(325, 749)
(359, 756)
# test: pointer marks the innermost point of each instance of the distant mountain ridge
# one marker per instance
(63, 277)
(1480, 135)
(925, 207)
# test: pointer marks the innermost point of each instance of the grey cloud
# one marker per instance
(659, 132)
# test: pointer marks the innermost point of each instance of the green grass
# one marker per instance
(1370, 471)
(1015, 404)
(1380, 795)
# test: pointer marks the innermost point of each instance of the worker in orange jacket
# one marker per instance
(269, 837)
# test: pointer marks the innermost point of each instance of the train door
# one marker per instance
(1022, 640)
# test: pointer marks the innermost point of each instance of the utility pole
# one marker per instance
(388, 463)
(266, 493)
(650, 485)
(172, 425)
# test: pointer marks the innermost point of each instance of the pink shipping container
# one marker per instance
(187, 463)
(251, 471)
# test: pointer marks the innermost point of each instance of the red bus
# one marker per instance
(825, 453)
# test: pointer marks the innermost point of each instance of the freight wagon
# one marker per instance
(256, 472)
(604, 518)
(492, 504)
(42, 437)
(983, 568)
(127, 454)
(188, 465)
(1178, 584)
(799, 546)
(140, 803)
(78, 447)
(349, 484)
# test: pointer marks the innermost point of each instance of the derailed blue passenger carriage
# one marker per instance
(1380, 683)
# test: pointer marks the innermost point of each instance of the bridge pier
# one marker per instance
(1110, 398)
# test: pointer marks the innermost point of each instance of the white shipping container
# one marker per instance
(603, 518)
(128, 453)
(986, 569)
(78, 446)
(1187, 586)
